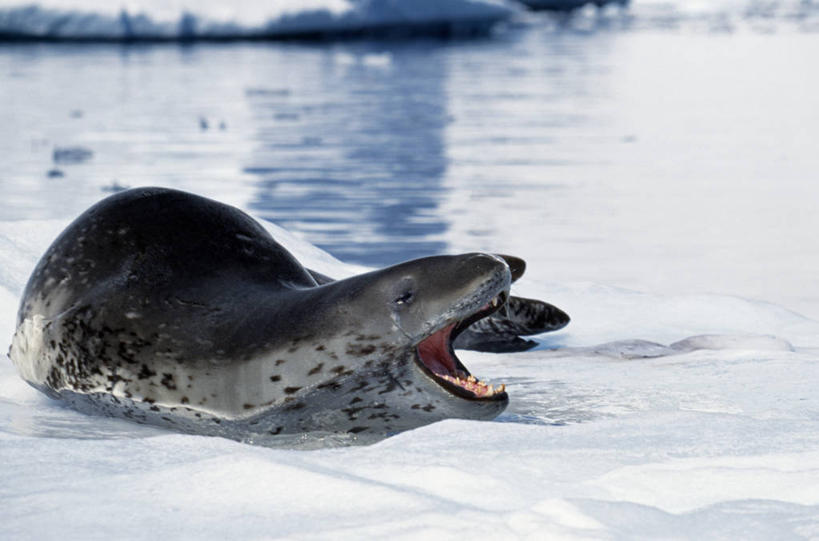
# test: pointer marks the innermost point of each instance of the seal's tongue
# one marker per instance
(434, 352)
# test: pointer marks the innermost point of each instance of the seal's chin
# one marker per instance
(436, 356)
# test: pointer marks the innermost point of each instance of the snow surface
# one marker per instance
(186, 19)
(618, 433)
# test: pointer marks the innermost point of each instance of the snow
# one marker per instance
(184, 19)
(616, 434)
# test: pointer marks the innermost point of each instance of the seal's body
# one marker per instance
(172, 309)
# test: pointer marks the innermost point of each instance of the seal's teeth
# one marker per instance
(472, 384)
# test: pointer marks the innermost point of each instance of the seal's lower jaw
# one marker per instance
(437, 359)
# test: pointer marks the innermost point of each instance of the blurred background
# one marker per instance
(666, 147)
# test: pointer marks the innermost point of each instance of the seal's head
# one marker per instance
(412, 312)
(426, 303)
(375, 353)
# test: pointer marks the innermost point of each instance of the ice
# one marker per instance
(650, 416)
(64, 155)
(178, 19)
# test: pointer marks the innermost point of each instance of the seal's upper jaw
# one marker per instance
(436, 356)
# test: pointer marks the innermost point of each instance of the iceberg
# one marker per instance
(159, 20)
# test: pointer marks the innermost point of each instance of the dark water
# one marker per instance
(360, 164)
(666, 157)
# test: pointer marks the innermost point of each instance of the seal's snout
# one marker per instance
(483, 289)
(480, 258)
(481, 264)
(484, 276)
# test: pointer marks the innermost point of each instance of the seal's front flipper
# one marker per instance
(501, 332)
(531, 316)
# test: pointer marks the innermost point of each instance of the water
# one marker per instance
(664, 157)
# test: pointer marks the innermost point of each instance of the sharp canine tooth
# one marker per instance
(501, 388)
(471, 379)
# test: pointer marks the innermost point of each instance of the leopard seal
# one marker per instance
(171, 309)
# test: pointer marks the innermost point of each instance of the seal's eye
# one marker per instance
(403, 291)
(405, 298)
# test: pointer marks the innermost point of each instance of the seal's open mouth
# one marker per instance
(437, 357)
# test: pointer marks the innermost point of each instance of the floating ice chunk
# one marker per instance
(370, 60)
(745, 342)
(168, 20)
(373, 60)
(633, 349)
(66, 155)
(646, 349)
